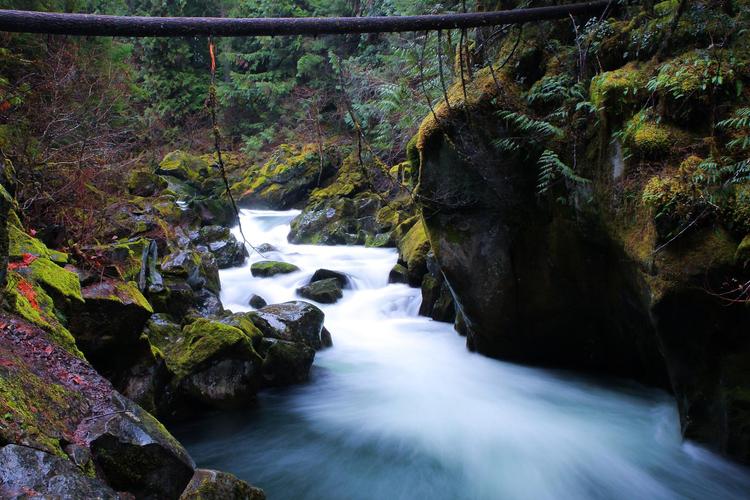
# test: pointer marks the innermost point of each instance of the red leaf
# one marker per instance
(32, 232)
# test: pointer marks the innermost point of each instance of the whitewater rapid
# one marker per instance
(398, 409)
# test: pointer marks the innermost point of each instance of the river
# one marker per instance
(398, 409)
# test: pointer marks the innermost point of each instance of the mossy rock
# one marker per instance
(286, 363)
(742, 255)
(145, 183)
(268, 268)
(413, 249)
(648, 139)
(325, 291)
(616, 92)
(184, 166)
(29, 300)
(215, 485)
(205, 340)
(57, 281)
(20, 243)
(287, 177)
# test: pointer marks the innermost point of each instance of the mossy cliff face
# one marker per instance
(629, 263)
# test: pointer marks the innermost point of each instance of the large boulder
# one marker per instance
(326, 291)
(108, 327)
(286, 178)
(57, 404)
(29, 473)
(213, 363)
(294, 321)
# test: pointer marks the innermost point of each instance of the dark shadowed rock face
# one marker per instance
(294, 321)
(214, 485)
(286, 363)
(29, 473)
(535, 282)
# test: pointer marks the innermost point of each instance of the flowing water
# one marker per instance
(398, 409)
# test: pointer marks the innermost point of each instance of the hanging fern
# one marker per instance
(551, 167)
(527, 125)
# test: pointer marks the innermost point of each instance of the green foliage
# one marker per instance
(551, 168)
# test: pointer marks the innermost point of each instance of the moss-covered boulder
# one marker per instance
(325, 291)
(268, 268)
(108, 326)
(343, 280)
(288, 176)
(413, 249)
(398, 274)
(294, 321)
(184, 166)
(56, 403)
(213, 363)
(215, 485)
(340, 221)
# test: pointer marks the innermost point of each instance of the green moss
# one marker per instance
(204, 339)
(30, 301)
(415, 244)
(56, 280)
(271, 267)
(695, 75)
(614, 92)
(646, 138)
(481, 91)
(742, 255)
(349, 181)
(33, 411)
(183, 166)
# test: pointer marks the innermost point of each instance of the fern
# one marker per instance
(525, 124)
(551, 167)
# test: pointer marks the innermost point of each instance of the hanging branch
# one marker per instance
(99, 25)
(440, 69)
(422, 79)
(212, 105)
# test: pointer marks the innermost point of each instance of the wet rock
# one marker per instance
(337, 221)
(145, 183)
(29, 473)
(322, 274)
(437, 301)
(325, 338)
(268, 268)
(286, 363)
(108, 327)
(266, 248)
(413, 249)
(227, 251)
(214, 485)
(198, 269)
(257, 301)
(207, 303)
(294, 321)
(286, 178)
(398, 274)
(136, 454)
(212, 362)
(325, 291)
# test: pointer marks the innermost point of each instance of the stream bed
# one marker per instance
(399, 409)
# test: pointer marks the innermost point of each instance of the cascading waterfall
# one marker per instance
(399, 409)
